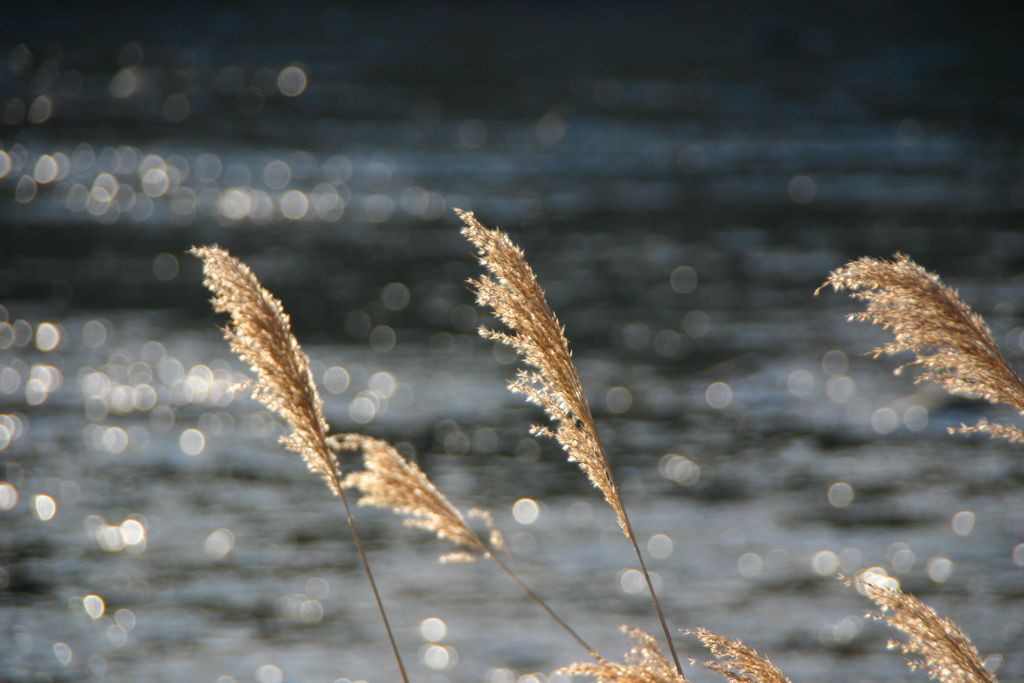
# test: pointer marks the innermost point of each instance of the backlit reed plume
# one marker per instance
(645, 663)
(260, 333)
(941, 648)
(952, 343)
(737, 662)
(554, 383)
(391, 482)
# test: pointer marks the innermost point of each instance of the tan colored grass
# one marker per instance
(554, 384)
(260, 334)
(645, 663)
(516, 297)
(737, 662)
(938, 645)
(952, 343)
(390, 481)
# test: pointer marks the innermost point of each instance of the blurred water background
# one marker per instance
(682, 177)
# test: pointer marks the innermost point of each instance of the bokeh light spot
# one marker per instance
(526, 511)
(292, 81)
(192, 442)
(94, 606)
(684, 279)
(336, 379)
(840, 495)
(218, 544)
(660, 546)
(618, 399)
(44, 507)
(719, 395)
(433, 630)
(963, 523)
(48, 337)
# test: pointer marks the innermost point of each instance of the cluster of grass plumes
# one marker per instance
(260, 334)
(952, 343)
(937, 644)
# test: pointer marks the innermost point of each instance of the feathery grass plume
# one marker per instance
(392, 482)
(645, 663)
(516, 297)
(738, 663)
(260, 333)
(555, 386)
(945, 652)
(952, 343)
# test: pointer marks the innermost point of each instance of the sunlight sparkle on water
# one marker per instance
(63, 653)
(440, 657)
(8, 495)
(940, 569)
(526, 511)
(94, 606)
(433, 629)
(840, 495)
(218, 544)
(963, 523)
(48, 337)
(679, 469)
(44, 507)
(825, 562)
(719, 395)
(269, 673)
(192, 442)
(660, 546)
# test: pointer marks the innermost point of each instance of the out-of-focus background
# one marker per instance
(682, 177)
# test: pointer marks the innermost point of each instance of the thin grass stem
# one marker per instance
(373, 587)
(536, 598)
(654, 595)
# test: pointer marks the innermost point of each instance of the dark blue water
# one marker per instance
(682, 179)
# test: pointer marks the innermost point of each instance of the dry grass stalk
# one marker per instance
(945, 652)
(390, 481)
(952, 343)
(554, 385)
(645, 663)
(738, 663)
(260, 333)
(517, 299)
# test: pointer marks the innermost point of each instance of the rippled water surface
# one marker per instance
(682, 181)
